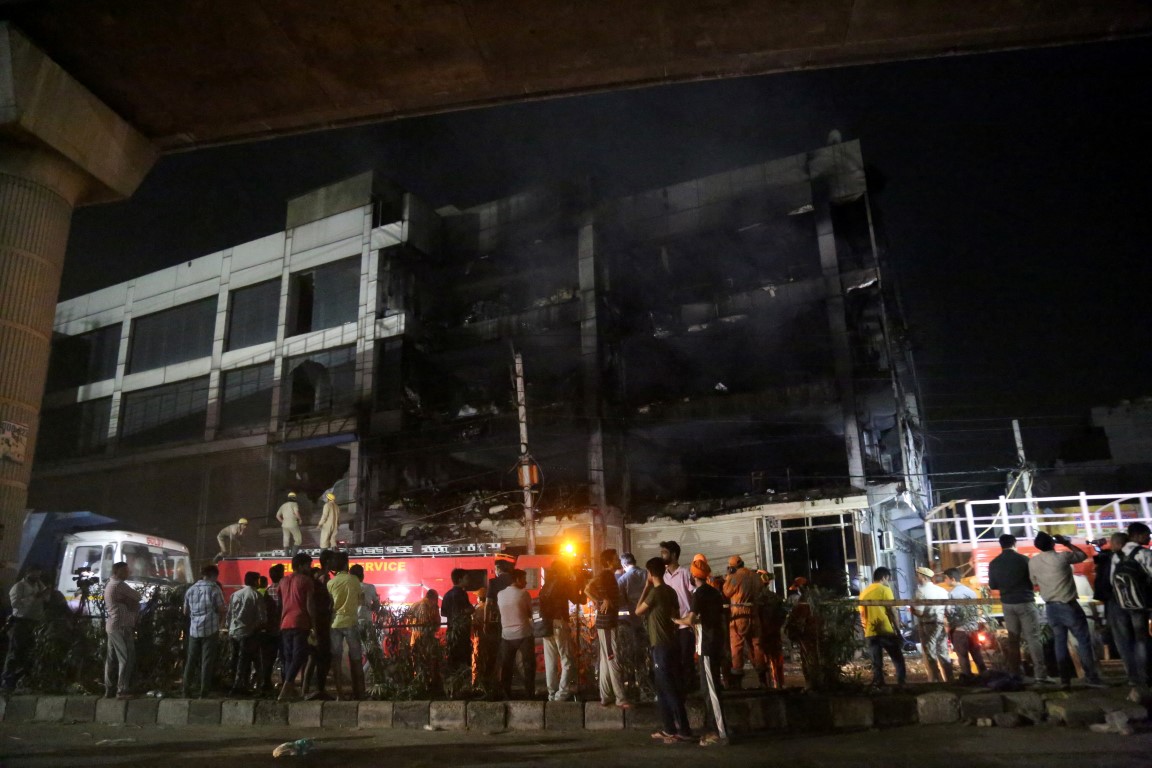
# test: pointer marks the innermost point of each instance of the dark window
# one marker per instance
(246, 397)
(84, 358)
(325, 297)
(80, 429)
(323, 382)
(173, 336)
(166, 413)
(390, 374)
(253, 314)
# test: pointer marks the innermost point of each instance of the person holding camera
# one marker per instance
(122, 603)
(1052, 573)
(28, 596)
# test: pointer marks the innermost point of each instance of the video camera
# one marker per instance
(85, 579)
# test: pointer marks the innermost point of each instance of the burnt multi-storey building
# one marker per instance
(710, 346)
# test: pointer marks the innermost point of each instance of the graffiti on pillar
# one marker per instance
(13, 440)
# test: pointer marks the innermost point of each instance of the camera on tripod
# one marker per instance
(85, 579)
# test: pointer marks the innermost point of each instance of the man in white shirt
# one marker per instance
(930, 623)
(963, 625)
(246, 616)
(515, 606)
(123, 606)
(679, 579)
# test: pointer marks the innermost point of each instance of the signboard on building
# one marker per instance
(13, 441)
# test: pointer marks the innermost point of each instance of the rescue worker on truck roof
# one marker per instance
(329, 522)
(288, 515)
(229, 536)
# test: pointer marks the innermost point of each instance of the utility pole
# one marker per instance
(525, 469)
(1025, 470)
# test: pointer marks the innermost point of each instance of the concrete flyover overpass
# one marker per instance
(92, 92)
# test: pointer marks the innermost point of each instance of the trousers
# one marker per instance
(1023, 624)
(611, 680)
(201, 660)
(558, 660)
(893, 645)
(1065, 619)
(120, 660)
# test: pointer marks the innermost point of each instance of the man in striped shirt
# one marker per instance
(204, 607)
(123, 606)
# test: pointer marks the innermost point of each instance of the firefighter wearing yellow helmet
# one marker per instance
(329, 522)
(289, 518)
(229, 537)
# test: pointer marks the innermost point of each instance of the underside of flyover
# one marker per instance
(187, 73)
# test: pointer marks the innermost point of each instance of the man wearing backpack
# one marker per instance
(1132, 591)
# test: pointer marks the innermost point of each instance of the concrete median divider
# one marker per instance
(50, 709)
(238, 712)
(448, 715)
(142, 712)
(375, 714)
(598, 718)
(746, 712)
(340, 714)
(535, 715)
(111, 711)
(410, 714)
(80, 709)
(487, 716)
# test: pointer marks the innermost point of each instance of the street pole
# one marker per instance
(525, 469)
(1025, 470)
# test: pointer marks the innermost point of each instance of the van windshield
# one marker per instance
(151, 563)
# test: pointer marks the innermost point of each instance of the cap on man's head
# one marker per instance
(291, 494)
(927, 573)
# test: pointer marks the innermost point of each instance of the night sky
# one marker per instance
(1013, 191)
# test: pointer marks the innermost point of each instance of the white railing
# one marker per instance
(1091, 515)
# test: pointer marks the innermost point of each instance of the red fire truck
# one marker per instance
(401, 573)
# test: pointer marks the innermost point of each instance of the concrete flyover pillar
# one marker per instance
(59, 147)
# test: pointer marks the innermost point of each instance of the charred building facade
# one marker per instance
(704, 347)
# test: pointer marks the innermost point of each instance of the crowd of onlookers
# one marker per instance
(1123, 585)
(678, 628)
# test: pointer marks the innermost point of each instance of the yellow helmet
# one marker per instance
(331, 496)
(243, 521)
(291, 494)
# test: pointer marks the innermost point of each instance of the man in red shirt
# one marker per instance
(298, 600)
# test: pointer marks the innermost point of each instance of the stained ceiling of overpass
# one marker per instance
(191, 73)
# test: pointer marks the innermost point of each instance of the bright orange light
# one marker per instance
(569, 549)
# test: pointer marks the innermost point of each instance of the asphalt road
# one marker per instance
(39, 746)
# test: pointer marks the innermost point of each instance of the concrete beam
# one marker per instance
(42, 104)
